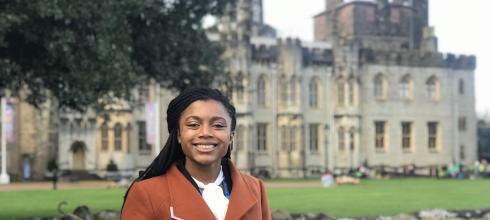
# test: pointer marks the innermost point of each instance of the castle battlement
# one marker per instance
(312, 53)
(317, 56)
(417, 58)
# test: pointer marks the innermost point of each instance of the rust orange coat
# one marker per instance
(172, 196)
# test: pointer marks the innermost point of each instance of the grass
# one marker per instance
(42, 203)
(370, 198)
(383, 197)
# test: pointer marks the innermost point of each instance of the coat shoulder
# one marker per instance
(156, 188)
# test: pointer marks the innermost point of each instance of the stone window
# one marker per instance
(406, 135)
(129, 128)
(313, 91)
(293, 137)
(261, 91)
(432, 128)
(314, 138)
(143, 146)
(104, 129)
(352, 91)
(380, 134)
(284, 138)
(293, 90)
(462, 123)
(379, 87)
(341, 93)
(352, 141)
(432, 86)
(117, 137)
(341, 138)
(461, 87)
(462, 155)
(406, 87)
(262, 137)
(283, 91)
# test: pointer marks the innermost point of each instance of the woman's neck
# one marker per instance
(205, 174)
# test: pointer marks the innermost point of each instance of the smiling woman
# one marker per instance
(193, 177)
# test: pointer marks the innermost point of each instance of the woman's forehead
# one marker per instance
(206, 109)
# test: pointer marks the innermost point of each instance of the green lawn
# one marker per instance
(384, 197)
(371, 197)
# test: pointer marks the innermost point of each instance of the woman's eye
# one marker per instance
(219, 126)
(193, 125)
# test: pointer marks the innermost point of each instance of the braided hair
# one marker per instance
(172, 150)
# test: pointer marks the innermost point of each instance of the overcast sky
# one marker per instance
(462, 27)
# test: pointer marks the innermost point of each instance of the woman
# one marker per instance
(193, 177)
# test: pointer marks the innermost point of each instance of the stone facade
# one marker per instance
(32, 145)
(371, 89)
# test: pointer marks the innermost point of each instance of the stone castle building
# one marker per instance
(372, 88)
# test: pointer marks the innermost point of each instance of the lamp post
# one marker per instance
(4, 177)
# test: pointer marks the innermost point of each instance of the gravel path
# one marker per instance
(23, 186)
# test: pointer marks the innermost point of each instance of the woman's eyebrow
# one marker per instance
(215, 118)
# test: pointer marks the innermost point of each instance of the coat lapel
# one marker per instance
(185, 201)
(242, 198)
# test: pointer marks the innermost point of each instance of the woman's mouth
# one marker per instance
(204, 147)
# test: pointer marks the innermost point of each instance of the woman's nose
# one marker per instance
(205, 131)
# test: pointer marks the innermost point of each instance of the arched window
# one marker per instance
(341, 138)
(432, 86)
(313, 91)
(379, 87)
(261, 91)
(461, 87)
(104, 129)
(341, 92)
(406, 87)
(117, 137)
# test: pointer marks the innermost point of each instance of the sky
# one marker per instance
(462, 27)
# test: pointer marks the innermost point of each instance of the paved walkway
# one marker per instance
(61, 185)
(23, 186)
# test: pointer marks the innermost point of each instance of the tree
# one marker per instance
(80, 52)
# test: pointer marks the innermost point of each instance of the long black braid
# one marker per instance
(172, 151)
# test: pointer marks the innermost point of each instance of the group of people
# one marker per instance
(480, 169)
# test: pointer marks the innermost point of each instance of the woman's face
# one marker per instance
(205, 133)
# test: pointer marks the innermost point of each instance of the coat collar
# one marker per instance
(187, 203)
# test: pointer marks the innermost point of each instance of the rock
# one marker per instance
(84, 213)
(486, 216)
(404, 217)
(436, 214)
(319, 216)
(280, 214)
(108, 215)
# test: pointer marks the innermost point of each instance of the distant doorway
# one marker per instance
(78, 149)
